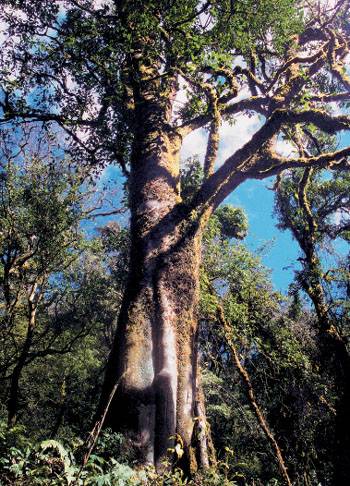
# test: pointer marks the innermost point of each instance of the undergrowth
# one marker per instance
(24, 462)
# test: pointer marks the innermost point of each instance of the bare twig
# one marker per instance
(95, 432)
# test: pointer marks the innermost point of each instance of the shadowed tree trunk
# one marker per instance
(13, 401)
(334, 353)
(154, 354)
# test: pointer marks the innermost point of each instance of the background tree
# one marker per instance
(41, 208)
(308, 204)
(278, 346)
(59, 291)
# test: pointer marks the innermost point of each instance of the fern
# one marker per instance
(70, 470)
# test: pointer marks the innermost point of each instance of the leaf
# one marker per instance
(179, 451)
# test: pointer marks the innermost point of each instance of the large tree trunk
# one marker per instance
(154, 356)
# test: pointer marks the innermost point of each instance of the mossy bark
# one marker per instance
(154, 356)
(155, 350)
(336, 363)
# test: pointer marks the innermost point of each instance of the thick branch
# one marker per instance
(245, 163)
(273, 165)
(255, 103)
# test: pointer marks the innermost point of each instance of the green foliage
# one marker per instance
(50, 462)
(328, 195)
(328, 200)
(247, 24)
(233, 222)
(92, 47)
(23, 462)
(191, 177)
(278, 347)
(48, 264)
(41, 207)
(276, 342)
(90, 67)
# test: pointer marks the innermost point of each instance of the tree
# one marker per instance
(108, 74)
(278, 354)
(307, 203)
(58, 387)
(40, 211)
(222, 276)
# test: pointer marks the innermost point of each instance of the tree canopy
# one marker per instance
(84, 66)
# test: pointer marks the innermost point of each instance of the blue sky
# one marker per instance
(282, 254)
(279, 251)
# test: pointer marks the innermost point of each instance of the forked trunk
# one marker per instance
(154, 356)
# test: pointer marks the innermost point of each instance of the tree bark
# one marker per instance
(13, 401)
(336, 362)
(156, 345)
(155, 350)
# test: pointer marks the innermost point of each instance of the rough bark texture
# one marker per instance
(155, 346)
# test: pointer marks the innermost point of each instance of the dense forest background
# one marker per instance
(272, 400)
(62, 281)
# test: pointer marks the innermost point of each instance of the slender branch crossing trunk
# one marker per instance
(251, 395)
